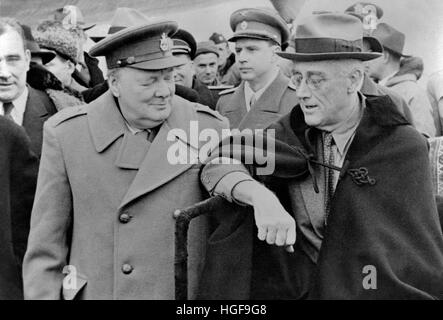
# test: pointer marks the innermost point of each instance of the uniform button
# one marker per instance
(124, 218)
(127, 268)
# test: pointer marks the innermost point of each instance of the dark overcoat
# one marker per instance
(39, 108)
(18, 176)
(385, 221)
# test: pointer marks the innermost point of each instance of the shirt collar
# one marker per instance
(343, 136)
(19, 106)
(249, 92)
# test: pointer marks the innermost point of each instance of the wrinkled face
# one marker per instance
(255, 58)
(205, 67)
(144, 96)
(14, 63)
(324, 94)
(183, 73)
(61, 68)
(223, 53)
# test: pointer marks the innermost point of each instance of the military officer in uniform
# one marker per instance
(102, 224)
(265, 94)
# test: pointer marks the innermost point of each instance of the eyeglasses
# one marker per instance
(314, 82)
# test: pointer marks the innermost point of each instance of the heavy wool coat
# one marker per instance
(390, 224)
(277, 100)
(18, 177)
(39, 108)
(105, 201)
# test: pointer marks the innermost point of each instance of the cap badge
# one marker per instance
(164, 43)
(244, 25)
(220, 38)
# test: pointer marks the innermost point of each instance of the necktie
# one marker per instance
(328, 154)
(148, 134)
(253, 101)
(7, 108)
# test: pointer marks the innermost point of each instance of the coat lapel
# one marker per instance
(269, 102)
(236, 108)
(156, 169)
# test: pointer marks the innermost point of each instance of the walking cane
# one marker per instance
(183, 219)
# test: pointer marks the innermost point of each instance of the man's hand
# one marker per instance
(274, 223)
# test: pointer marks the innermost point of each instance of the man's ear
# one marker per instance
(275, 57)
(70, 66)
(113, 84)
(27, 59)
(355, 80)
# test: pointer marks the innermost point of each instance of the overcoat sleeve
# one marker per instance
(51, 220)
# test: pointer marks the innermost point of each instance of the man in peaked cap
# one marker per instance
(265, 93)
(185, 48)
(367, 224)
(228, 72)
(386, 69)
(102, 224)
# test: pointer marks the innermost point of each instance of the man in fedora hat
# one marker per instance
(265, 93)
(385, 70)
(367, 224)
(102, 224)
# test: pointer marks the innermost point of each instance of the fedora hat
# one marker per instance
(72, 16)
(140, 44)
(390, 38)
(34, 48)
(259, 23)
(331, 36)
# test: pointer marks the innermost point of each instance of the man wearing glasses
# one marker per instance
(366, 220)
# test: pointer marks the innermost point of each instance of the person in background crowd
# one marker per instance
(370, 14)
(265, 93)
(87, 72)
(435, 95)
(24, 105)
(367, 222)
(384, 70)
(228, 72)
(206, 63)
(18, 177)
(103, 206)
(51, 35)
(38, 77)
(185, 48)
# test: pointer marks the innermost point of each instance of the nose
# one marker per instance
(303, 90)
(241, 56)
(5, 73)
(163, 89)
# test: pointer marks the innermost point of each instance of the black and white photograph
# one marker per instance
(223, 155)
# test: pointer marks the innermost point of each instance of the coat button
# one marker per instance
(127, 268)
(124, 218)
